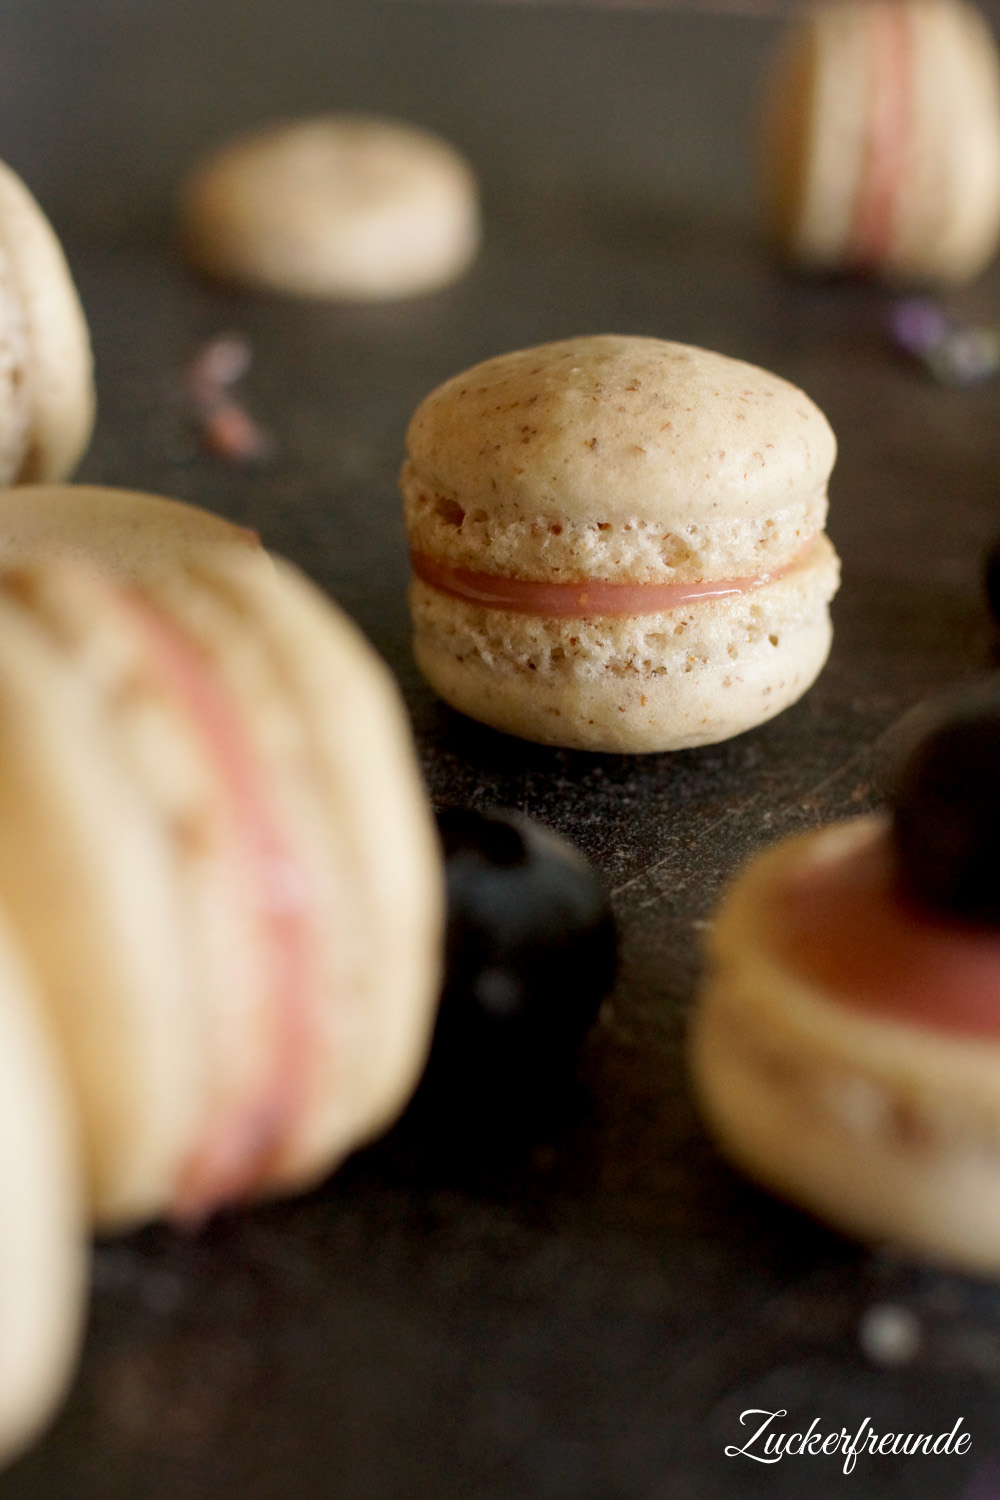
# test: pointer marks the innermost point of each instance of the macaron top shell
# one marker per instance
(650, 442)
(351, 207)
(88, 877)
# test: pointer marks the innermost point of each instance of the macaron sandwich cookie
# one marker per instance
(219, 872)
(846, 1043)
(46, 381)
(881, 140)
(345, 207)
(617, 543)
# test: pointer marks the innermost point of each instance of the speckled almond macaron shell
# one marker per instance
(345, 207)
(56, 373)
(815, 133)
(620, 430)
(627, 460)
(87, 875)
(43, 1238)
(107, 933)
(887, 1131)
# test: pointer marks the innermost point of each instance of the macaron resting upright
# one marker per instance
(618, 543)
(46, 379)
(881, 140)
(215, 852)
(344, 207)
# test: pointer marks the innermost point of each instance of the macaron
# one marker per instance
(217, 856)
(845, 1053)
(47, 398)
(618, 543)
(345, 207)
(43, 1246)
(881, 140)
(846, 1042)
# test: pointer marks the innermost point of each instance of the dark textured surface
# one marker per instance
(586, 1316)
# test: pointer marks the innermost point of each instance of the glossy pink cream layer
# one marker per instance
(842, 925)
(593, 596)
(242, 1137)
(889, 128)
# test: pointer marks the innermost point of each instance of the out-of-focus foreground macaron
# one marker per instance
(46, 381)
(43, 1237)
(215, 853)
(881, 140)
(618, 543)
(345, 207)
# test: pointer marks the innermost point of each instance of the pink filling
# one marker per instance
(242, 1140)
(888, 132)
(583, 597)
(842, 925)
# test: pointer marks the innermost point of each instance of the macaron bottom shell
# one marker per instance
(671, 681)
(87, 879)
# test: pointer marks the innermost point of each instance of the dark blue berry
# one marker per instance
(529, 952)
(946, 812)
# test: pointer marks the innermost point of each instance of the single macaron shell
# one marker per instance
(618, 543)
(880, 143)
(345, 207)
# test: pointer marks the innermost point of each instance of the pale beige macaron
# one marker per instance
(216, 852)
(618, 543)
(46, 381)
(834, 1054)
(43, 1238)
(345, 207)
(881, 140)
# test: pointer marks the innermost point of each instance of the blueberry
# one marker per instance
(529, 951)
(891, 752)
(946, 813)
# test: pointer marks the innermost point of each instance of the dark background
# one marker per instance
(586, 1316)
